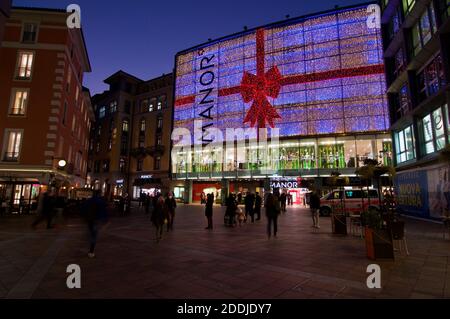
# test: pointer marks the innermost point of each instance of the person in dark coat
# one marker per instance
(249, 206)
(158, 217)
(272, 206)
(258, 204)
(209, 210)
(94, 210)
(171, 205)
(231, 210)
(48, 210)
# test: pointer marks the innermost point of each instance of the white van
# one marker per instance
(355, 201)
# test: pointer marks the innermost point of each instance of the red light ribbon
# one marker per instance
(259, 87)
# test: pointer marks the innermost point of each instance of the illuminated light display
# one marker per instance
(310, 76)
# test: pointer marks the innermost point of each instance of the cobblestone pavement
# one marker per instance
(192, 262)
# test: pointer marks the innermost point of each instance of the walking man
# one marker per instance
(209, 210)
(258, 204)
(314, 204)
(272, 206)
(95, 210)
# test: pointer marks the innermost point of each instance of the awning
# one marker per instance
(148, 182)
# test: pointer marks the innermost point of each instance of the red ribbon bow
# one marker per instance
(257, 88)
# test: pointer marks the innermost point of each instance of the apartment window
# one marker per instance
(404, 144)
(29, 32)
(158, 162)
(404, 101)
(12, 145)
(445, 9)
(113, 107)
(408, 5)
(433, 132)
(140, 164)
(74, 122)
(97, 167)
(64, 117)
(19, 102)
(102, 112)
(424, 29)
(400, 62)
(99, 130)
(69, 78)
(151, 106)
(431, 78)
(125, 126)
(127, 107)
(122, 165)
(25, 65)
(159, 140)
(97, 148)
(159, 123)
(106, 166)
(110, 144)
(144, 106)
(143, 123)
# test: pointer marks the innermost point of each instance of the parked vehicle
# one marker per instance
(356, 201)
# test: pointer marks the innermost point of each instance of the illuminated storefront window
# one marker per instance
(433, 132)
(404, 144)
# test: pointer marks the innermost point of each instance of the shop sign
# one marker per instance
(284, 183)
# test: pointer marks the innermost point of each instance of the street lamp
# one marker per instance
(62, 163)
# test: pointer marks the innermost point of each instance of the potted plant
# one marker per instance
(378, 238)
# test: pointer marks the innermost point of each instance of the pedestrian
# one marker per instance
(203, 198)
(230, 212)
(249, 203)
(273, 209)
(171, 205)
(147, 203)
(241, 216)
(46, 210)
(158, 217)
(258, 204)
(283, 199)
(314, 204)
(95, 210)
(239, 199)
(209, 211)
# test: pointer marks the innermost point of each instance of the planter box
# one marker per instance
(339, 224)
(379, 244)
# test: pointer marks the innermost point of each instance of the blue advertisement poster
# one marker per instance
(412, 193)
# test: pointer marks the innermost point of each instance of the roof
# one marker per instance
(121, 73)
(277, 24)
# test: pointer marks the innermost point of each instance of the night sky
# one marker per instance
(141, 37)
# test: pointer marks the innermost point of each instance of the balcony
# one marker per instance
(139, 152)
(155, 151)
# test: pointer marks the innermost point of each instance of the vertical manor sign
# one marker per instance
(207, 92)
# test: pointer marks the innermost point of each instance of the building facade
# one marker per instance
(131, 139)
(416, 48)
(318, 79)
(5, 7)
(45, 112)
